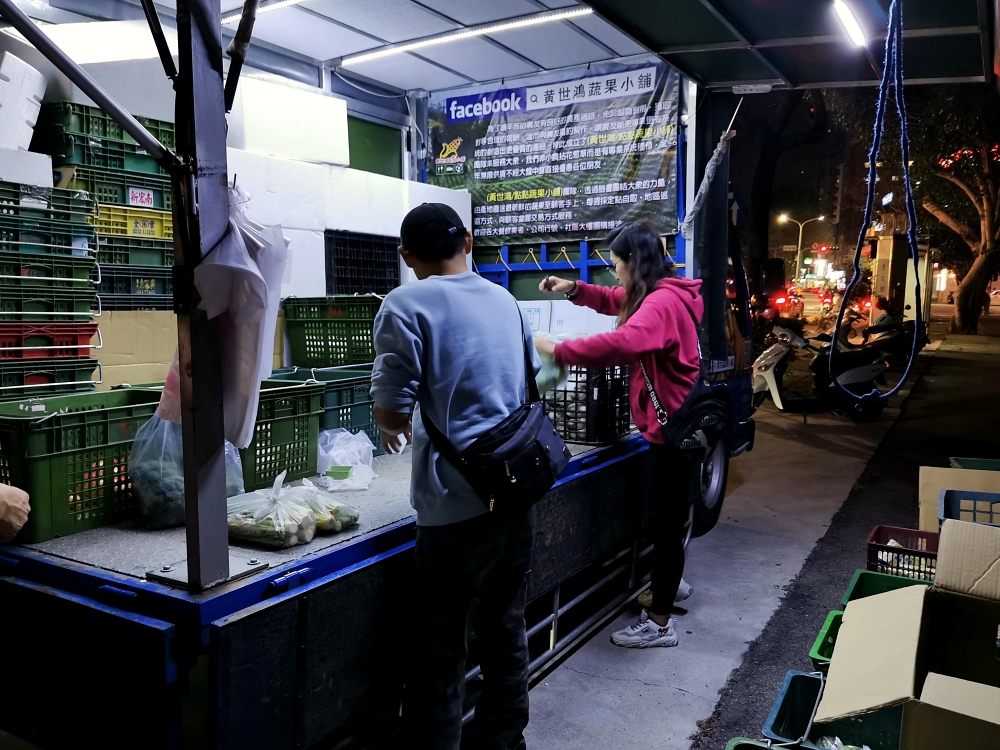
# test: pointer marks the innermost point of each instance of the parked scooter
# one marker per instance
(858, 370)
(894, 339)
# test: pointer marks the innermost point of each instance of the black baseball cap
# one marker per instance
(430, 231)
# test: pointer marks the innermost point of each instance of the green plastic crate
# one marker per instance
(796, 704)
(37, 270)
(331, 331)
(80, 119)
(26, 378)
(70, 454)
(867, 583)
(118, 188)
(979, 464)
(285, 436)
(822, 650)
(742, 743)
(347, 401)
(53, 204)
(93, 151)
(48, 304)
(22, 235)
(119, 250)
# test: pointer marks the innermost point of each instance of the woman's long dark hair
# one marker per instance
(638, 245)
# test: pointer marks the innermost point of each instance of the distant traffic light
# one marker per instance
(824, 248)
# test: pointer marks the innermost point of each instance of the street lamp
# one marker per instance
(784, 219)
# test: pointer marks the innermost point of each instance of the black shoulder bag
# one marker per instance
(701, 414)
(516, 462)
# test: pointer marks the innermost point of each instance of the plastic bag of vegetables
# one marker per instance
(274, 517)
(156, 466)
(332, 516)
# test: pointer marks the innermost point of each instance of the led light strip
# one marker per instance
(563, 15)
(237, 14)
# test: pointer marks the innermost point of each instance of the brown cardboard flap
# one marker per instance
(961, 696)
(969, 559)
(874, 663)
(930, 727)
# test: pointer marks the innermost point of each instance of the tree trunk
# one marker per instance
(972, 290)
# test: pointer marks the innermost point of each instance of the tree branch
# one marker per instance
(958, 227)
(965, 189)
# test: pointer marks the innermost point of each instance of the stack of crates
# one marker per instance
(48, 275)
(91, 153)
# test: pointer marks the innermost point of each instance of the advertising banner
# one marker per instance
(562, 158)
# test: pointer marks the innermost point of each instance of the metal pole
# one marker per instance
(85, 83)
(202, 215)
(798, 254)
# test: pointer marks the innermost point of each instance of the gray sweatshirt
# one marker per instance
(451, 347)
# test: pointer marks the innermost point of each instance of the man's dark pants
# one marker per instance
(474, 569)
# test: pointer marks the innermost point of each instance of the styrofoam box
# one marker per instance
(306, 276)
(25, 167)
(21, 91)
(283, 119)
(538, 314)
(282, 191)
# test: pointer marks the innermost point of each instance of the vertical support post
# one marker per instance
(585, 261)
(201, 217)
(554, 633)
(633, 569)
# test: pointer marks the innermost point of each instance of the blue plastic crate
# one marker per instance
(966, 505)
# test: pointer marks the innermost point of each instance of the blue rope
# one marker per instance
(892, 72)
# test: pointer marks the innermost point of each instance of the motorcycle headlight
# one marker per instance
(764, 367)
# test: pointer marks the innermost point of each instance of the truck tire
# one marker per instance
(710, 486)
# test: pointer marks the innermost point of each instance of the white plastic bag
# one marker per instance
(332, 516)
(340, 448)
(156, 466)
(272, 517)
(551, 376)
(240, 280)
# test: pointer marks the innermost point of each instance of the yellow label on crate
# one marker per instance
(146, 228)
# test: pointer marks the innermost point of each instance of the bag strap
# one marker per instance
(445, 447)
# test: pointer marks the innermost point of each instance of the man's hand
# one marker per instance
(396, 427)
(396, 443)
(14, 510)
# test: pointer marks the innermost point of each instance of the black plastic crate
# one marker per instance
(361, 263)
(591, 408)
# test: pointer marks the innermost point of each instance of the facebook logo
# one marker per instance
(481, 106)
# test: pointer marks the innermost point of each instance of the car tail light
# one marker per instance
(780, 300)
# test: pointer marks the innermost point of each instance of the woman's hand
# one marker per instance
(544, 346)
(555, 285)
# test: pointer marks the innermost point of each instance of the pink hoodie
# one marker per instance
(662, 332)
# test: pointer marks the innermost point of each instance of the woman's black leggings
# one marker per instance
(668, 483)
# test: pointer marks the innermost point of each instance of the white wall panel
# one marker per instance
(282, 191)
(307, 273)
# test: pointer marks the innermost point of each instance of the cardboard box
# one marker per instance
(138, 346)
(932, 651)
(934, 479)
(21, 91)
(538, 314)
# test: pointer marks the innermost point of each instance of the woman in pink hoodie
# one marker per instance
(658, 316)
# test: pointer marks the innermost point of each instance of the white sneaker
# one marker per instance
(646, 634)
(683, 591)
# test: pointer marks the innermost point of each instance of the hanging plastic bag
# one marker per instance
(339, 448)
(332, 516)
(239, 281)
(551, 376)
(156, 466)
(273, 517)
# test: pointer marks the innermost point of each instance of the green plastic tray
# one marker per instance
(53, 204)
(741, 743)
(979, 464)
(867, 583)
(822, 650)
(94, 151)
(50, 237)
(118, 188)
(48, 304)
(119, 250)
(285, 436)
(331, 331)
(347, 401)
(38, 270)
(70, 454)
(26, 378)
(81, 119)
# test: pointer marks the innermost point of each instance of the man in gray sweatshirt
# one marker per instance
(453, 346)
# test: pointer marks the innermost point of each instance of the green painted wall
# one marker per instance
(375, 148)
